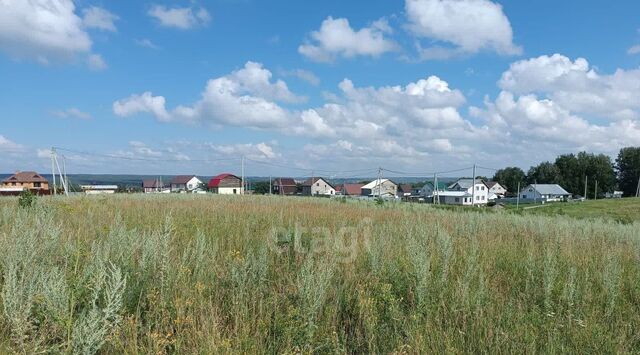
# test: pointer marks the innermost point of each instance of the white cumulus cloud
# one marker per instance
(576, 86)
(337, 38)
(6, 145)
(183, 18)
(43, 30)
(466, 26)
(99, 18)
(245, 97)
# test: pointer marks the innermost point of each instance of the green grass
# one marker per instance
(243, 274)
(624, 210)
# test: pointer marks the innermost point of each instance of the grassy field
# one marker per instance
(624, 210)
(215, 274)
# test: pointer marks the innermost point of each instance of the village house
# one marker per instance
(154, 186)
(428, 189)
(185, 183)
(495, 190)
(544, 193)
(25, 180)
(284, 186)
(317, 186)
(405, 191)
(226, 184)
(349, 189)
(463, 192)
(380, 188)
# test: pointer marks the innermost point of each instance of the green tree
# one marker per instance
(261, 187)
(628, 170)
(509, 178)
(574, 168)
(543, 173)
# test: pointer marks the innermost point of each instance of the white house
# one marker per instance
(185, 183)
(544, 193)
(495, 189)
(479, 191)
(99, 189)
(462, 198)
(380, 188)
(615, 194)
(317, 186)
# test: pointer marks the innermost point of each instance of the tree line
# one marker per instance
(575, 171)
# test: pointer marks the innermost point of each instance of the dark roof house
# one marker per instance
(182, 179)
(352, 189)
(284, 186)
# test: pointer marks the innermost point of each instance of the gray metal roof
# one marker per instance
(466, 183)
(549, 189)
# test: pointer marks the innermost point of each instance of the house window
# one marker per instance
(482, 188)
(317, 184)
(457, 199)
(234, 191)
(13, 184)
(477, 188)
(482, 198)
(36, 184)
(477, 198)
(524, 196)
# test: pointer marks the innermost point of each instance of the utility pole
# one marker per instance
(64, 170)
(242, 178)
(435, 187)
(535, 192)
(473, 188)
(62, 178)
(586, 179)
(518, 196)
(638, 188)
(595, 192)
(270, 188)
(53, 170)
(379, 179)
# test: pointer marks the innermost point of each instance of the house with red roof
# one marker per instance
(226, 184)
(349, 189)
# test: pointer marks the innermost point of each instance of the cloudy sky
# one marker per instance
(167, 87)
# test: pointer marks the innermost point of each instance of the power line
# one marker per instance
(121, 157)
(307, 169)
(425, 173)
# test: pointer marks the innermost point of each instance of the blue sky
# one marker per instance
(415, 85)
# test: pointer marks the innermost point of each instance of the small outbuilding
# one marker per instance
(99, 189)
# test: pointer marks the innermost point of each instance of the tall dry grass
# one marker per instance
(214, 274)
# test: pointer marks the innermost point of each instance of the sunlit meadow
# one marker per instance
(215, 274)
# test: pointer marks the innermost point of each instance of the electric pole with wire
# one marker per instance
(473, 188)
(242, 178)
